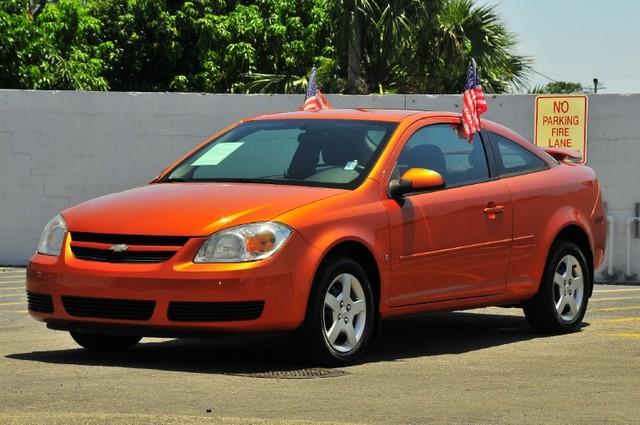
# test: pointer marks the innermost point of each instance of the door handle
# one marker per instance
(493, 209)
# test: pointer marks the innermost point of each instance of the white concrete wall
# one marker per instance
(61, 148)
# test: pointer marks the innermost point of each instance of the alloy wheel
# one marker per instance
(344, 313)
(568, 287)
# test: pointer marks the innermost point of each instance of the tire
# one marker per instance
(561, 301)
(100, 342)
(340, 314)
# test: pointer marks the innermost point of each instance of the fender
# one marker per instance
(561, 219)
(369, 230)
(326, 242)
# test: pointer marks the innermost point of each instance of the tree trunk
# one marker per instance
(38, 7)
(354, 54)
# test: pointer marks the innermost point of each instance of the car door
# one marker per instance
(454, 242)
(535, 197)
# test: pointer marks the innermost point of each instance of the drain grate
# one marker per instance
(309, 373)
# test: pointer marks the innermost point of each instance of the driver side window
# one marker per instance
(442, 148)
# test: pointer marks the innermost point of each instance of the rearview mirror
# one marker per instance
(416, 180)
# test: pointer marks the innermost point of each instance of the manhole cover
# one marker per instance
(294, 374)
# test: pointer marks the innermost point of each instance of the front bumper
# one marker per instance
(282, 283)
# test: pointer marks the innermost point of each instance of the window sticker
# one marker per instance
(351, 165)
(217, 153)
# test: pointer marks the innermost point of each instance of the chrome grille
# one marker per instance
(116, 248)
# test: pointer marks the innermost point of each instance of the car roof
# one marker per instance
(365, 114)
(388, 115)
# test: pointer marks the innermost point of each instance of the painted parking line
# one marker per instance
(608, 291)
(13, 303)
(13, 288)
(632, 307)
(12, 281)
(622, 320)
(594, 300)
(21, 294)
(13, 312)
(628, 334)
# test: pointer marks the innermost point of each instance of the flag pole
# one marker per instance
(475, 67)
(314, 100)
(474, 102)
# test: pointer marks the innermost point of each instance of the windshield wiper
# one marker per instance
(236, 180)
(225, 180)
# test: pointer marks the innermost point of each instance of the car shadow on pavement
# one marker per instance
(430, 335)
(450, 333)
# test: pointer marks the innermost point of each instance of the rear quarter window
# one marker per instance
(513, 159)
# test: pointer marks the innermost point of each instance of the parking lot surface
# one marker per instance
(482, 366)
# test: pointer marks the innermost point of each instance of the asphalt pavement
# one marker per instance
(482, 366)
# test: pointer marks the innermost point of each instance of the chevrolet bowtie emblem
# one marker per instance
(120, 247)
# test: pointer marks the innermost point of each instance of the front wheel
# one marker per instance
(100, 342)
(561, 302)
(341, 313)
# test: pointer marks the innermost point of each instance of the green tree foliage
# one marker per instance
(419, 46)
(59, 50)
(209, 46)
(462, 31)
(156, 45)
(382, 38)
(559, 87)
(254, 45)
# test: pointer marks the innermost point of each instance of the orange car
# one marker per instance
(324, 223)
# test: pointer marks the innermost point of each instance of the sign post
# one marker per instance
(561, 122)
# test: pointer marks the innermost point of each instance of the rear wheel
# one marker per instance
(340, 316)
(100, 342)
(561, 302)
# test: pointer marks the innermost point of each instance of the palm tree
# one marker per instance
(353, 17)
(464, 31)
(411, 46)
(425, 46)
(389, 37)
(373, 36)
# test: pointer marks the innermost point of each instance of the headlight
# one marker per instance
(249, 242)
(53, 236)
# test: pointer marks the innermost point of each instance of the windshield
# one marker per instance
(328, 153)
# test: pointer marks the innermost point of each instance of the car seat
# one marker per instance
(426, 156)
(346, 146)
(307, 155)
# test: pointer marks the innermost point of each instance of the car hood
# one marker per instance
(188, 209)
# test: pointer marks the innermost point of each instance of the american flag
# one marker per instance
(474, 103)
(314, 100)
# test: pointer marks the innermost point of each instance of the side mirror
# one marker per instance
(416, 180)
